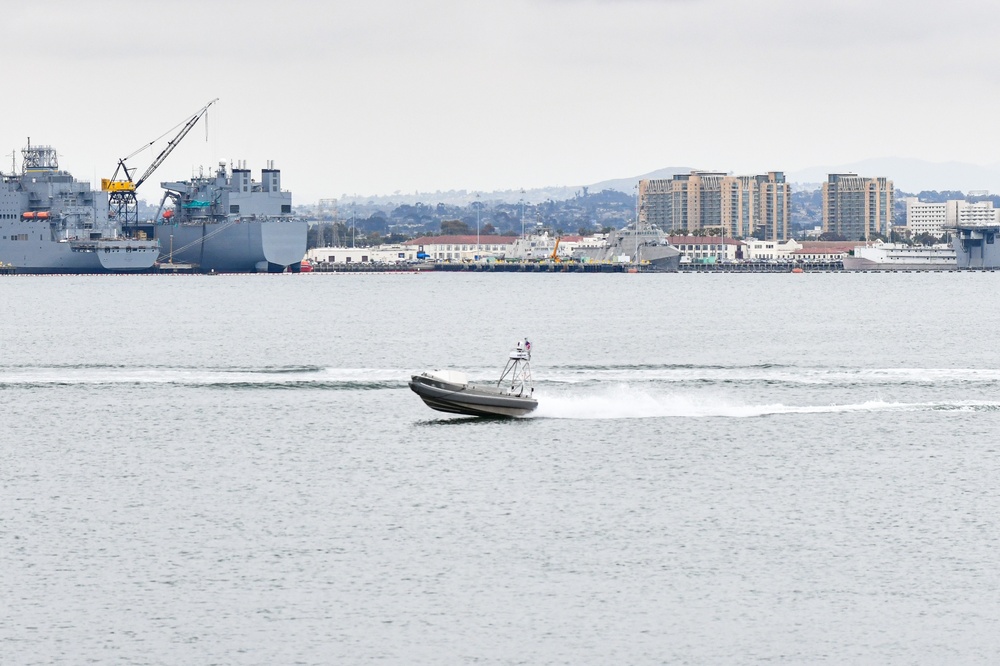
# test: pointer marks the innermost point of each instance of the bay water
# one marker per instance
(722, 469)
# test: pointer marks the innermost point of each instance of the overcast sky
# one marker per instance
(384, 95)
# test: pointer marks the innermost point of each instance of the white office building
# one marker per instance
(928, 218)
(981, 212)
(934, 218)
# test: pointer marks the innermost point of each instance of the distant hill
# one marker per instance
(908, 175)
(533, 195)
(626, 184)
(911, 175)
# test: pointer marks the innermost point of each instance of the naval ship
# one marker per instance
(52, 223)
(644, 245)
(976, 245)
(229, 223)
(882, 256)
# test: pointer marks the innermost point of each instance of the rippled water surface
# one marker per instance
(722, 469)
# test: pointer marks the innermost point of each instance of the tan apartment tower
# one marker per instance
(857, 207)
(739, 205)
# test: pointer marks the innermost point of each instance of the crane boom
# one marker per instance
(173, 142)
(122, 202)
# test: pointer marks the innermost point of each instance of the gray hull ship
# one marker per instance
(647, 247)
(228, 223)
(977, 245)
(52, 223)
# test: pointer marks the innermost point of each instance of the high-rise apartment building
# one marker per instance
(739, 205)
(857, 207)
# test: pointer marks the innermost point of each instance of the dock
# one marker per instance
(174, 268)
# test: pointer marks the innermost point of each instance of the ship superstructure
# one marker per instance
(52, 223)
(228, 222)
(976, 245)
(643, 244)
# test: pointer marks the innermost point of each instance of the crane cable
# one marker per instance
(201, 239)
(147, 145)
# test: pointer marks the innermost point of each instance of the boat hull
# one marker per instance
(240, 247)
(470, 400)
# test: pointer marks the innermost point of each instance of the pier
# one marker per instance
(572, 267)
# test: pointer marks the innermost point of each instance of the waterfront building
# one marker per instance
(440, 248)
(708, 249)
(857, 207)
(770, 250)
(739, 206)
(792, 250)
(462, 248)
(396, 253)
(822, 251)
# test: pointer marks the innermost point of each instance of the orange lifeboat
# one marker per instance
(305, 267)
(42, 215)
(797, 270)
(28, 215)
(168, 213)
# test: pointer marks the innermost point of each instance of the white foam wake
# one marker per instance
(782, 374)
(624, 402)
(196, 376)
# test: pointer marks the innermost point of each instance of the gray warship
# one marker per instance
(52, 223)
(229, 223)
(976, 245)
(642, 244)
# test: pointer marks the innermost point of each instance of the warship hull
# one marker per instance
(234, 247)
(659, 257)
(68, 257)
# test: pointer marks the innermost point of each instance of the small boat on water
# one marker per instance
(450, 391)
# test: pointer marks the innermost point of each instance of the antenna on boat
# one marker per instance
(518, 370)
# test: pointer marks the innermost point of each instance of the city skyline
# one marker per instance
(442, 95)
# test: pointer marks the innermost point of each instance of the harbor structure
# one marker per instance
(857, 207)
(739, 206)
